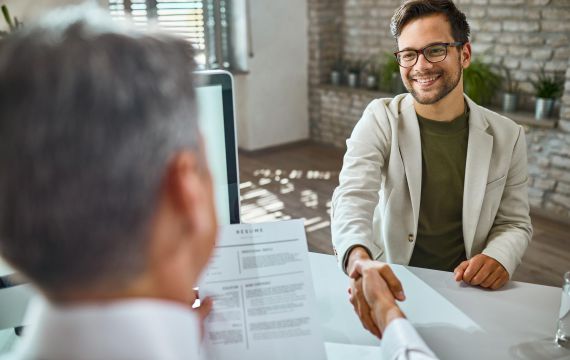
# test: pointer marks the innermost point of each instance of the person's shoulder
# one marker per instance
(498, 121)
(387, 101)
(505, 132)
(381, 107)
(378, 104)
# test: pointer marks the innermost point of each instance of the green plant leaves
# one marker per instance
(390, 67)
(480, 82)
(546, 86)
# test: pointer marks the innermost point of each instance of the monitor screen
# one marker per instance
(4, 269)
(216, 120)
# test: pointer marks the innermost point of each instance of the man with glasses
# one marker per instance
(430, 178)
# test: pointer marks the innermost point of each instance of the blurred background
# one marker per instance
(305, 70)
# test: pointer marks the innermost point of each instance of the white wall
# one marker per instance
(272, 99)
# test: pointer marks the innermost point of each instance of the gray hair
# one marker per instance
(91, 113)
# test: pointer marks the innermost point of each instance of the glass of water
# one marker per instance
(563, 332)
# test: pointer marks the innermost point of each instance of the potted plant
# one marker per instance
(372, 74)
(336, 72)
(354, 71)
(547, 89)
(511, 94)
(480, 82)
(391, 79)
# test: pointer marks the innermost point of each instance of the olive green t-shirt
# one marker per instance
(439, 242)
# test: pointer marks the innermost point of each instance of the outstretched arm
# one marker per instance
(399, 338)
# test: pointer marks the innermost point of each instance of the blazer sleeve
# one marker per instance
(512, 230)
(356, 197)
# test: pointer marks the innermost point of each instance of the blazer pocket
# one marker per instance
(495, 183)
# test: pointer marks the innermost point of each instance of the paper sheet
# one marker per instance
(264, 302)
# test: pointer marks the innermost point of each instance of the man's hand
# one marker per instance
(482, 270)
(356, 293)
(378, 286)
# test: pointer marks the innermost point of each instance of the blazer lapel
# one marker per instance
(479, 150)
(411, 152)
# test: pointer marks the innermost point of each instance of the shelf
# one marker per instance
(520, 117)
(527, 118)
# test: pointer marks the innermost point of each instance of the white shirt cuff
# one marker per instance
(401, 341)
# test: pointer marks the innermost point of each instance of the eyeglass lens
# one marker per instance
(434, 53)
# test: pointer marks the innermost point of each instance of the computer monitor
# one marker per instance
(216, 118)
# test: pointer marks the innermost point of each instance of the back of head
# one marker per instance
(90, 115)
(413, 9)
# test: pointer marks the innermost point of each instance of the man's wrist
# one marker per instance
(356, 253)
(384, 315)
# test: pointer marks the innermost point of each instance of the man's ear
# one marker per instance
(184, 226)
(189, 188)
(184, 185)
(466, 55)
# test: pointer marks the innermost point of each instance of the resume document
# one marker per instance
(264, 302)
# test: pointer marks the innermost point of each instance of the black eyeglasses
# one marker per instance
(433, 53)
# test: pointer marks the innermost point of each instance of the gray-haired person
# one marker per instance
(106, 202)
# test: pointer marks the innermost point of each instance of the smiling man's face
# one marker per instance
(430, 82)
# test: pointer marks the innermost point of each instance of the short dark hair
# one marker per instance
(413, 9)
(92, 113)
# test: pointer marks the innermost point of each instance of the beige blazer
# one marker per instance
(377, 202)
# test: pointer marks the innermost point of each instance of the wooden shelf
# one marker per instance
(520, 117)
(527, 118)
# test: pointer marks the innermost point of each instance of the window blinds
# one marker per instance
(183, 18)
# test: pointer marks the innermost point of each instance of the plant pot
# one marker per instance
(353, 80)
(510, 101)
(543, 108)
(371, 82)
(335, 77)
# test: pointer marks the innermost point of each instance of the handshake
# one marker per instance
(373, 292)
(374, 288)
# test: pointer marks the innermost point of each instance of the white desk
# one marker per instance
(457, 321)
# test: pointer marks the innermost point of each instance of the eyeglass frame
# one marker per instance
(422, 52)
